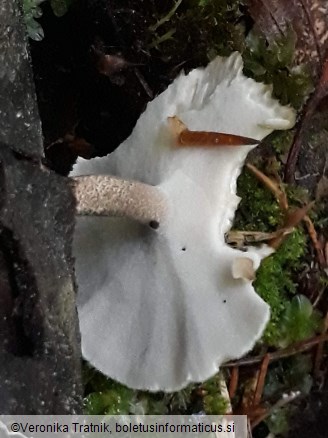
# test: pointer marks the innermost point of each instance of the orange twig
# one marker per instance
(261, 380)
(314, 238)
(233, 384)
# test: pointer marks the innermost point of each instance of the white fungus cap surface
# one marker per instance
(159, 309)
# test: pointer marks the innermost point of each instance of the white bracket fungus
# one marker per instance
(162, 307)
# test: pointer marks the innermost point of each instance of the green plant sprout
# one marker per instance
(32, 11)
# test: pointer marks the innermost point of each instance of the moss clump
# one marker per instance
(32, 11)
(275, 282)
(281, 142)
(258, 209)
(104, 396)
(272, 63)
(198, 30)
(114, 401)
(299, 321)
(214, 403)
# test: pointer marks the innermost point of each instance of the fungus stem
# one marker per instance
(105, 195)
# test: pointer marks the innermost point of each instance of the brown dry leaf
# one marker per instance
(308, 18)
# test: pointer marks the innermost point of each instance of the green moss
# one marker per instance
(197, 30)
(281, 141)
(275, 282)
(298, 195)
(276, 277)
(272, 63)
(104, 396)
(31, 12)
(214, 403)
(299, 321)
(115, 401)
(258, 209)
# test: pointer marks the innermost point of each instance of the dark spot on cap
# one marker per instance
(224, 301)
(183, 248)
(154, 225)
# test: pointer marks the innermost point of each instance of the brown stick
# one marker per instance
(314, 238)
(233, 384)
(261, 380)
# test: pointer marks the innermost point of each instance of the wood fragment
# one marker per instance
(244, 238)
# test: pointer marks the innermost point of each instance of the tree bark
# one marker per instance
(40, 366)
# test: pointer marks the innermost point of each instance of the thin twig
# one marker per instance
(314, 238)
(242, 238)
(261, 380)
(296, 348)
(233, 384)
